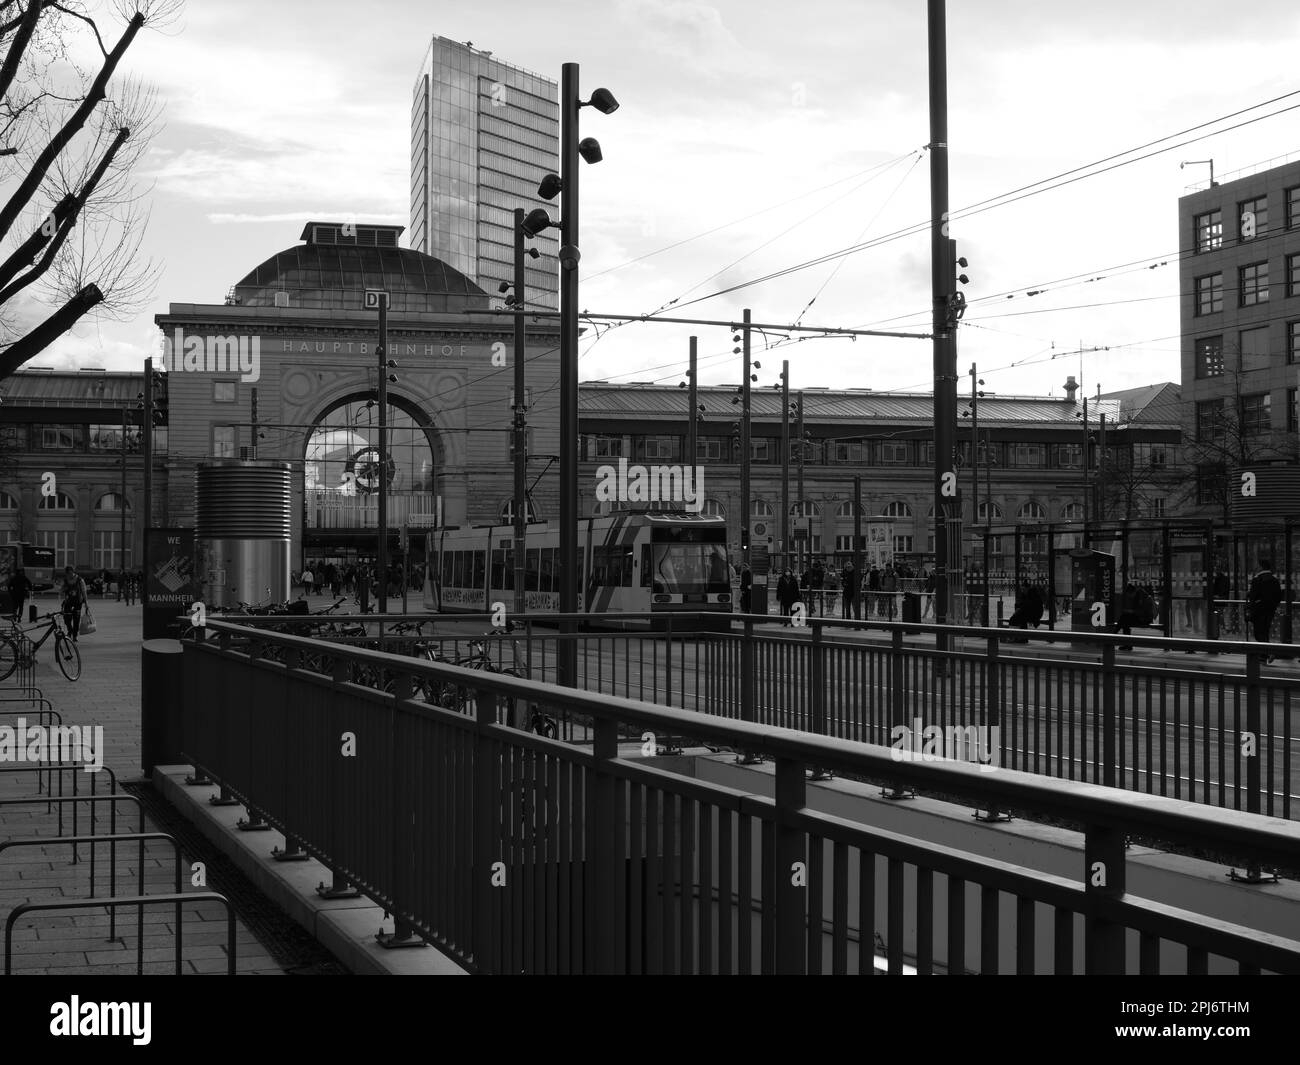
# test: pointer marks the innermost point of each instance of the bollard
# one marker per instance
(224, 799)
(292, 852)
(339, 888)
(253, 824)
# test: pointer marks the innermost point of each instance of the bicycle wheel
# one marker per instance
(8, 657)
(68, 655)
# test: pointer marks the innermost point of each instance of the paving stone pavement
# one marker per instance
(107, 695)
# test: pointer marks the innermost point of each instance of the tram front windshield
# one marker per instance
(689, 569)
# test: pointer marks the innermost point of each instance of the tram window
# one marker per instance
(480, 568)
(446, 569)
(498, 569)
(546, 579)
(458, 569)
(645, 566)
(508, 576)
(530, 575)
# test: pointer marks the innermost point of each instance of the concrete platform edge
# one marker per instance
(345, 927)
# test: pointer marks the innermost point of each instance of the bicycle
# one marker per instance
(17, 648)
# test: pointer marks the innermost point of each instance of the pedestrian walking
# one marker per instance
(20, 590)
(1262, 599)
(308, 579)
(849, 580)
(787, 593)
(363, 589)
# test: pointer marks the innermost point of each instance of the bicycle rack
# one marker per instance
(178, 899)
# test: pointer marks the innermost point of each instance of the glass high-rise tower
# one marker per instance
(483, 135)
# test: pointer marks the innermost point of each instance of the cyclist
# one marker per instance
(74, 601)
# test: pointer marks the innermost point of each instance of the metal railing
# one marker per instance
(512, 852)
(1070, 705)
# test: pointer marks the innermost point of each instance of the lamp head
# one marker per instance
(603, 101)
(550, 187)
(589, 149)
(535, 221)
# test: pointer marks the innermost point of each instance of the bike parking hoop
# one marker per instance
(178, 899)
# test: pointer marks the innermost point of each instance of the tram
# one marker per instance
(657, 563)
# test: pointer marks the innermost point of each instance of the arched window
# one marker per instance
(984, 512)
(806, 509)
(8, 502)
(1033, 511)
(844, 510)
(111, 501)
(759, 508)
(1072, 512)
(508, 512)
(898, 509)
(58, 501)
(713, 509)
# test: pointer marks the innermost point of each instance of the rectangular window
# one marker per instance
(60, 541)
(223, 391)
(1211, 484)
(1208, 228)
(844, 544)
(894, 453)
(1252, 215)
(63, 437)
(1293, 410)
(1293, 275)
(109, 438)
(1028, 455)
(1069, 456)
(223, 442)
(1209, 420)
(759, 450)
(708, 447)
(1253, 288)
(1156, 508)
(1293, 207)
(107, 553)
(1254, 349)
(1151, 456)
(847, 452)
(902, 545)
(1255, 416)
(1293, 342)
(1209, 294)
(603, 447)
(659, 447)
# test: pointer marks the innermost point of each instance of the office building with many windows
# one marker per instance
(1239, 288)
(483, 135)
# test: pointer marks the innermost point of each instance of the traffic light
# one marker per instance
(158, 396)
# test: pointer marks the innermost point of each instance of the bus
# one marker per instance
(629, 562)
(37, 561)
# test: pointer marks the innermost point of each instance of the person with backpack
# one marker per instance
(308, 579)
(20, 590)
(74, 601)
(1262, 599)
(849, 578)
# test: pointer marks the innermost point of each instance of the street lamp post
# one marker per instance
(785, 462)
(382, 556)
(521, 430)
(567, 187)
(122, 508)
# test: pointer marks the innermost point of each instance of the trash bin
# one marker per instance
(912, 609)
(162, 695)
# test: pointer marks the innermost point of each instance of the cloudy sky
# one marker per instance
(752, 137)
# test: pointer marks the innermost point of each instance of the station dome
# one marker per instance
(339, 261)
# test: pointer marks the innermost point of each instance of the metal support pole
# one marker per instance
(785, 461)
(521, 429)
(799, 566)
(121, 569)
(1087, 450)
(745, 444)
(1101, 470)
(566, 651)
(147, 445)
(382, 557)
(942, 282)
(857, 546)
(974, 447)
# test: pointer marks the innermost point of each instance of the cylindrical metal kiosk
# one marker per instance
(242, 531)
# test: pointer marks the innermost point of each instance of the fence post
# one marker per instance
(993, 721)
(486, 889)
(747, 711)
(897, 706)
(817, 677)
(1248, 746)
(790, 871)
(1104, 877)
(604, 889)
(1108, 724)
